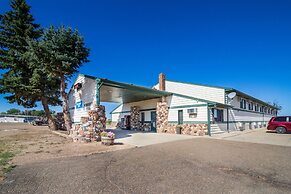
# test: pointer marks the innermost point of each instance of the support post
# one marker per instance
(98, 86)
(208, 120)
(227, 121)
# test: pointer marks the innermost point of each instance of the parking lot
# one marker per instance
(258, 136)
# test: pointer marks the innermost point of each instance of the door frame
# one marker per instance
(180, 117)
(153, 121)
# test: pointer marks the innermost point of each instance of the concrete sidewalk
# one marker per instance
(139, 139)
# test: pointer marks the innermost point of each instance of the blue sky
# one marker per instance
(241, 44)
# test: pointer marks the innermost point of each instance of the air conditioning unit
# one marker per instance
(192, 111)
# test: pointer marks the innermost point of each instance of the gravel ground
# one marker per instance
(199, 165)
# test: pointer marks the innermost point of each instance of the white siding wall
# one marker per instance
(146, 104)
(197, 91)
(239, 115)
(87, 95)
(235, 102)
(176, 101)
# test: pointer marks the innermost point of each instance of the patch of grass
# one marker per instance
(5, 157)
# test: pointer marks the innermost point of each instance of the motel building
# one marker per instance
(9, 118)
(193, 108)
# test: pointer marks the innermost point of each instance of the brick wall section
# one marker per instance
(162, 116)
(188, 129)
(134, 118)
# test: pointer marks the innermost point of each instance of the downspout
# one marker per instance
(208, 120)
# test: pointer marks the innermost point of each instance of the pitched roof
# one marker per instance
(155, 92)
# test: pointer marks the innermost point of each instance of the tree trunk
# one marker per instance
(51, 121)
(67, 117)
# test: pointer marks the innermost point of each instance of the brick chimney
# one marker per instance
(162, 82)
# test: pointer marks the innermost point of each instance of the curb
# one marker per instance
(61, 134)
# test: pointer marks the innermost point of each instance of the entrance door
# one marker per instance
(153, 121)
(217, 115)
(180, 117)
(127, 122)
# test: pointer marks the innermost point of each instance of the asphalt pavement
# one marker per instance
(199, 165)
(261, 136)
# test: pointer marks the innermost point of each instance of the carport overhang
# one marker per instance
(117, 92)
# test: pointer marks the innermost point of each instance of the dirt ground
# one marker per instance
(37, 143)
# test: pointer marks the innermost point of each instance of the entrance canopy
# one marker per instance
(112, 91)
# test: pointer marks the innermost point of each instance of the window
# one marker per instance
(192, 112)
(251, 106)
(256, 107)
(243, 104)
(281, 119)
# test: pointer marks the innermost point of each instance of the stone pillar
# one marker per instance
(98, 118)
(162, 116)
(90, 126)
(134, 118)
